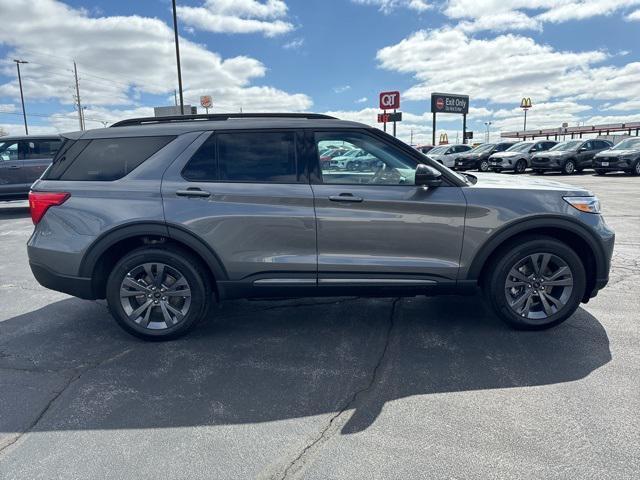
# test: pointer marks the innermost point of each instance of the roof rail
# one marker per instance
(214, 117)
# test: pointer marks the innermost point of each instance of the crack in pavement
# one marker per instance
(57, 394)
(327, 432)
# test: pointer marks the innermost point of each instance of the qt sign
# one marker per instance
(389, 100)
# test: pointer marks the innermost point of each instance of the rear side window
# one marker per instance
(35, 149)
(104, 159)
(257, 157)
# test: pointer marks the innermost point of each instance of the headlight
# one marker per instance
(584, 204)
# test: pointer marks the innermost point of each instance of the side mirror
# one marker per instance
(583, 149)
(427, 176)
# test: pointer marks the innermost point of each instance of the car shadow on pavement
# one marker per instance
(67, 366)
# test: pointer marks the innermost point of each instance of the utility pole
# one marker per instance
(488, 135)
(79, 104)
(175, 97)
(175, 32)
(411, 141)
(24, 113)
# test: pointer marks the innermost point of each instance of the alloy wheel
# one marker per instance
(484, 166)
(569, 167)
(538, 286)
(155, 296)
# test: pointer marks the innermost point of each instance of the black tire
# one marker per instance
(496, 293)
(600, 172)
(569, 167)
(635, 169)
(176, 260)
(520, 166)
(483, 166)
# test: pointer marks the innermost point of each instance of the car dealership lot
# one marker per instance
(323, 388)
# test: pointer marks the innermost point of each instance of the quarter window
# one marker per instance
(202, 166)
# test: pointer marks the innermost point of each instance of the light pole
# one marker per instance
(175, 32)
(487, 124)
(24, 113)
(525, 105)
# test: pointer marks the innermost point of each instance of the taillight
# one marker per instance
(39, 203)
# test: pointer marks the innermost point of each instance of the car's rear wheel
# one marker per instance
(158, 294)
(484, 166)
(521, 166)
(569, 167)
(537, 283)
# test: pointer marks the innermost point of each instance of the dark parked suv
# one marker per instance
(162, 217)
(624, 157)
(569, 157)
(22, 161)
(478, 158)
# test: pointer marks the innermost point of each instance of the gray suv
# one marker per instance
(569, 157)
(163, 217)
(22, 161)
(518, 156)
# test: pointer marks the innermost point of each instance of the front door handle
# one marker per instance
(193, 192)
(345, 197)
(14, 167)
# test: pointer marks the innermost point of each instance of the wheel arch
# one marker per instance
(109, 247)
(567, 231)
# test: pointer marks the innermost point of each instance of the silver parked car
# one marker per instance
(518, 157)
(447, 154)
(165, 216)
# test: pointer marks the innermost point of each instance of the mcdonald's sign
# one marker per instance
(525, 103)
(444, 139)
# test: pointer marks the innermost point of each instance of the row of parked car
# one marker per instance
(568, 157)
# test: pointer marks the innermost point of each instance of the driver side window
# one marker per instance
(366, 160)
(8, 151)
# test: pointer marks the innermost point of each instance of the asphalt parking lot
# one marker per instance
(323, 388)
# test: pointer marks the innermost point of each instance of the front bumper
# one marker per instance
(463, 164)
(546, 163)
(77, 286)
(612, 163)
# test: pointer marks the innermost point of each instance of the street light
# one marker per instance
(175, 32)
(24, 113)
(487, 124)
(525, 105)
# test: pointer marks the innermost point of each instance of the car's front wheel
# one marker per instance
(158, 294)
(536, 283)
(569, 167)
(484, 166)
(521, 166)
(635, 169)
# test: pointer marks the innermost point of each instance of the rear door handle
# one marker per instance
(193, 192)
(345, 197)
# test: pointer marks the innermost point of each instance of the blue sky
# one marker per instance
(577, 59)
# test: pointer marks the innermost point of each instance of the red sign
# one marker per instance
(383, 118)
(389, 100)
(440, 103)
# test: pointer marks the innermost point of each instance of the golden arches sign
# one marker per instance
(525, 103)
(444, 139)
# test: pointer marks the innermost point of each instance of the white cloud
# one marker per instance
(634, 16)
(629, 105)
(505, 68)
(121, 59)
(503, 15)
(7, 108)
(386, 6)
(341, 88)
(362, 100)
(238, 16)
(294, 44)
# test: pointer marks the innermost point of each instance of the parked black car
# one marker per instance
(22, 161)
(478, 158)
(624, 157)
(569, 157)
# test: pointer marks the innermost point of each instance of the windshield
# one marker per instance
(483, 148)
(520, 147)
(628, 143)
(439, 150)
(565, 146)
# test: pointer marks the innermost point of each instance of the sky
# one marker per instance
(578, 60)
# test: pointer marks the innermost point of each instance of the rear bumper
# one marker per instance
(77, 286)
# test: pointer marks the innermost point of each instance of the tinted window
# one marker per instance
(202, 166)
(105, 159)
(41, 148)
(257, 157)
(502, 147)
